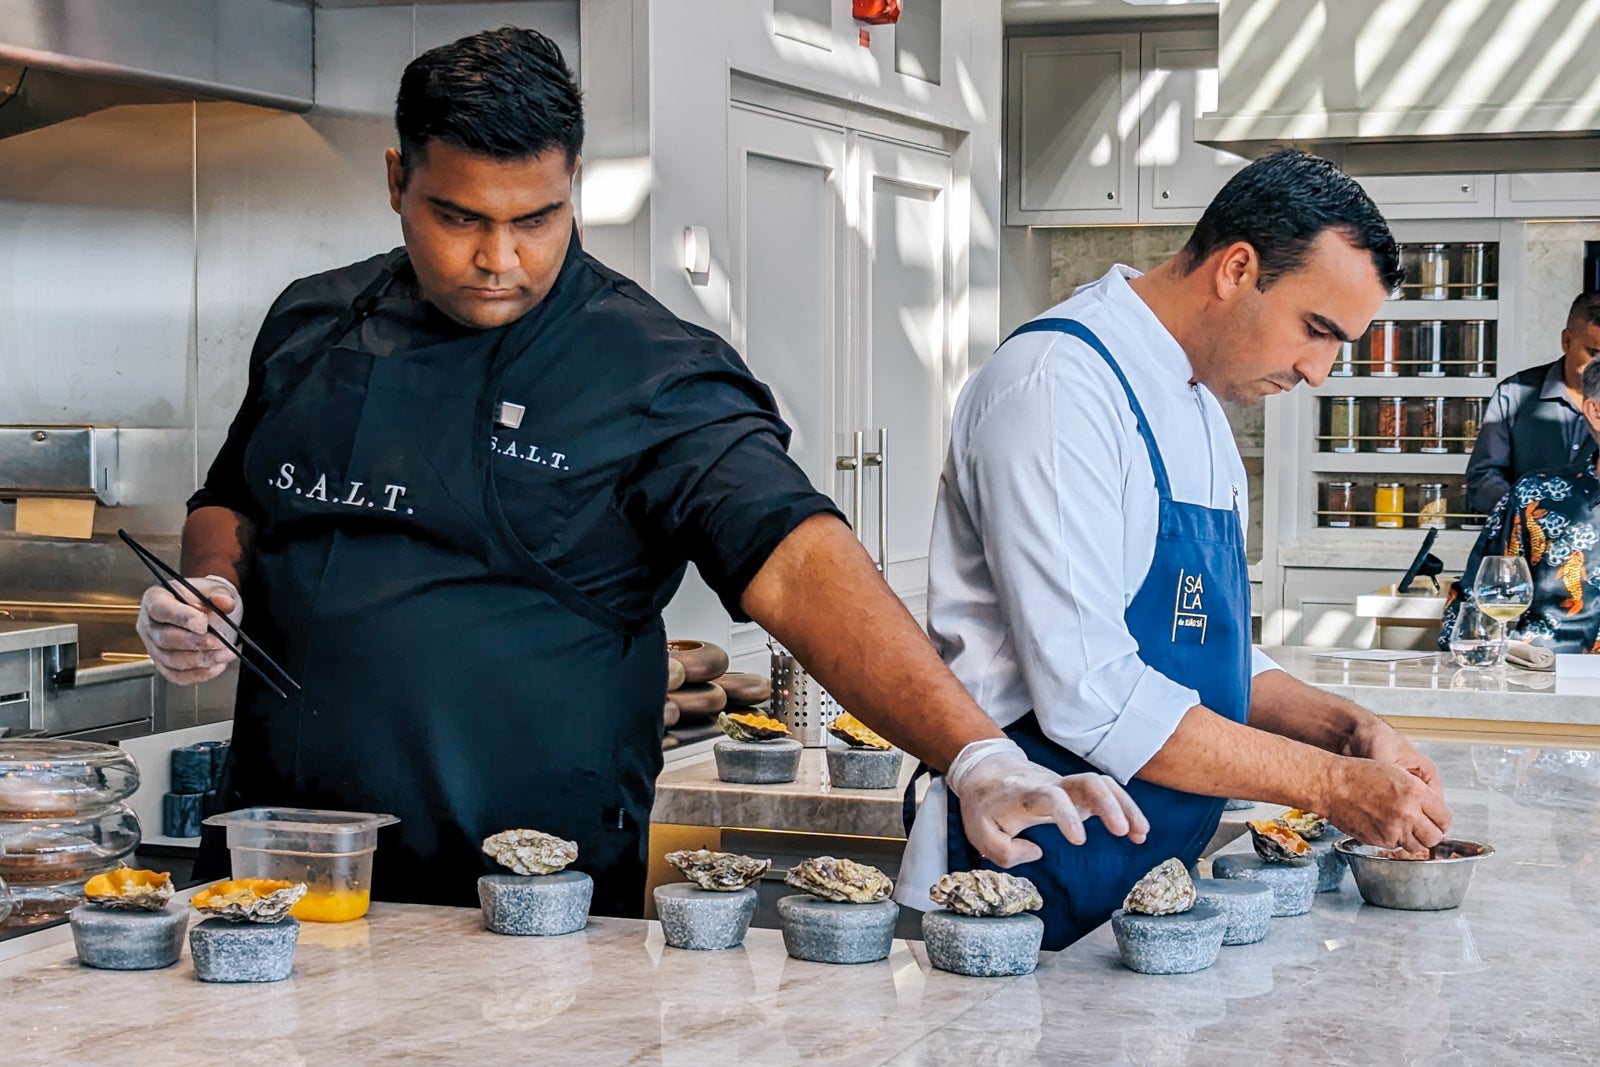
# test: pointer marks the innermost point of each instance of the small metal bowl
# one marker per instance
(1434, 884)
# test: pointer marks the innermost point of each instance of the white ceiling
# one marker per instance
(1023, 12)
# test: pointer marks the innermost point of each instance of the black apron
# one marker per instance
(450, 678)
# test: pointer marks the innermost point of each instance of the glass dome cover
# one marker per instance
(40, 777)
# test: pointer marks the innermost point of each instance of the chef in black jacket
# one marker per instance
(465, 480)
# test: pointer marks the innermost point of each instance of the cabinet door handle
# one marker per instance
(880, 459)
(853, 463)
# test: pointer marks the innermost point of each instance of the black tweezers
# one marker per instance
(162, 571)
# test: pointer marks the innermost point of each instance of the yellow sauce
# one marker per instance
(332, 905)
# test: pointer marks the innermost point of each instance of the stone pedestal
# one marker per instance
(863, 768)
(757, 762)
(128, 940)
(982, 947)
(825, 932)
(1246, 905)
(536, 905)
(226, 951)
(1169, 944)
(703, 919)
(1293, 883)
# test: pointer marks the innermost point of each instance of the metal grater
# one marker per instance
(798, 700)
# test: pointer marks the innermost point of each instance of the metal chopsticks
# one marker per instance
(163, 571)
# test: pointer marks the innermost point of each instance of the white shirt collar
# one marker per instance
(1162, 351)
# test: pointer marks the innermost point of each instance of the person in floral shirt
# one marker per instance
(1551, 519)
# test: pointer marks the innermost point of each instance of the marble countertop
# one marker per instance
(1507, 978)
(1433, 687)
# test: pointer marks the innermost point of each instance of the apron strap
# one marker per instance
(1077, 329)
(361, 306)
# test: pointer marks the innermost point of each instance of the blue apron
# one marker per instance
(1191, 619)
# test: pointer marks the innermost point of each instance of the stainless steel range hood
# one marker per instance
(1412, 86)
(60, 59)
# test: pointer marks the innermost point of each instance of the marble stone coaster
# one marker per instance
(226, 951)
(535, 905)
(863, 768)
(128, 940)
(704, 919)
(1293, 884)
(1331, 864)
(825, 932)
(982, 947)
(1170, 944)
(757, 762)
(1246, 905)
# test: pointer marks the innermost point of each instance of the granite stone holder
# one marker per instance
(757, 762)
(535, 905)
(1331, 864)
(982, 947)
(863, 768)
(1294, 883)
(1170, 944)
(117, 940)
(227, 951)
(181, 813)
(704, 919)
(1246, 905)
(823, 931)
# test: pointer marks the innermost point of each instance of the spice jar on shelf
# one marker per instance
(1471, 421)
(1383, 349)
(1338, 504)
(1431, 506)
(1389, 506)
(1434, 411)
(1344, 423)
(1434, 265)
(1391, 424)
(1470, 520)
(1428, 349)
(1475, 271)
(1476, 355)
(1344, 364)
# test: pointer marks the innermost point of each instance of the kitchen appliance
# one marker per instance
(798, 700)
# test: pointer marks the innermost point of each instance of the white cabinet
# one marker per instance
(1178, 81)
(1432, 196)
(1570, 194)
(1070, 125)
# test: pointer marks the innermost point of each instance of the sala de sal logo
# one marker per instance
(1189, 613)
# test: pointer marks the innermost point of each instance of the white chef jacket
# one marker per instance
(1044, 531)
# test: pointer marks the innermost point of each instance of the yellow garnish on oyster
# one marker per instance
(855, 733)
(750, 726)
(530, 851)
(840, 880)
(250, 900)
(127, 889)
(1275, 842)
(986, 894)
(722, 872)
(1166, 890)
(1307, 824)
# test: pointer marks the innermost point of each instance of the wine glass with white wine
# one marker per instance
(1503, 590)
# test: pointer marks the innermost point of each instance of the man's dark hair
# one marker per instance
(1585, 310)
(1280, 205)
(505, 94)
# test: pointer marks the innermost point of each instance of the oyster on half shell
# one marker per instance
(250, 900)
(1275, 842)
(1307, 824)
(840, 880)
(721, 872)
(855, 733)
(126, 889)
(986, 894)
(1166, 890)
(751, 726)
(530, 852)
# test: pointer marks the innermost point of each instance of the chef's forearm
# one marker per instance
(1215, 756)
(1286, 706)
(217, 541)
(820, 594)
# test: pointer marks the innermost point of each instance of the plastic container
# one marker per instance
(330, 851)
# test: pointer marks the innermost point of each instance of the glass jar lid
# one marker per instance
(44, 777)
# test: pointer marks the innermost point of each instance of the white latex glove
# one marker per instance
(1003, 793)
(174, 631)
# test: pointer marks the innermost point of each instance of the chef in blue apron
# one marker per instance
(466, 478)
(1088, 576)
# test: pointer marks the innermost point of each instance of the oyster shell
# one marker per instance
(751, 726)
(722, 872)
(855, 733)
(1166, 890)
(250, 900)
(1275, 842)
(1307, 824)
(986, 893)
(841, 880)
(126, 889)
(530, 852)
